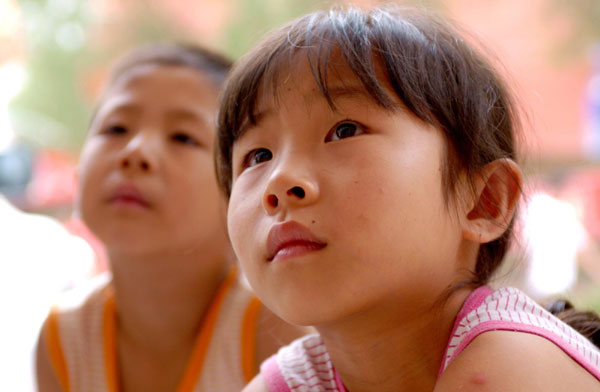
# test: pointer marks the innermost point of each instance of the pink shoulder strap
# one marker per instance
(508, 309)
(272, 375)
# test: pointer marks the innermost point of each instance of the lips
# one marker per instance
(127, 194)
(291, 239)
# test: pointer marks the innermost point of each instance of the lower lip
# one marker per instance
(296, 250)
(129, 203)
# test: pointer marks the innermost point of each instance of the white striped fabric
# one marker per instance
(80, 328)
(306, 367)
(80, 314)
(510, 309)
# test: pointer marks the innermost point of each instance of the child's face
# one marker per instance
(146, 177)
(364, 186)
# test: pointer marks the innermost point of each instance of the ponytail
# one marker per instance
(586, 323)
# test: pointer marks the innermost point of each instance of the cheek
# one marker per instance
(193, 177)
(243, 214)
(195, 198)
(237, 222)
(87, 181)
(397, 205)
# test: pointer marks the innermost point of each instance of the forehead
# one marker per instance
(160, 86)
(308, 79)
(162, 83)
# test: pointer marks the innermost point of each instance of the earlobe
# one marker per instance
(497, 191)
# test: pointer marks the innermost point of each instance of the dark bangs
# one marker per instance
(435, 74)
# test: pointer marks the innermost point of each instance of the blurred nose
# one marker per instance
(140, 153)
(292, 184)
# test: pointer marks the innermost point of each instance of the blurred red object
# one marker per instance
(585, 186)
(52, 182)
(52, 186)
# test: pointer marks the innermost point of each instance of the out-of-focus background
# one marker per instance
(54, 55)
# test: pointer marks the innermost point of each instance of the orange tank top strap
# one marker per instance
(109, 338)
(55, 352)
(248, 339)
(194, 366)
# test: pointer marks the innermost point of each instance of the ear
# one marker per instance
(497, 191)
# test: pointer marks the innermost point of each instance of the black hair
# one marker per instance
(427, 65)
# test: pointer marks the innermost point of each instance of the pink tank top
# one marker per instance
(305, 365)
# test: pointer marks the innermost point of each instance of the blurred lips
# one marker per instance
(128, 195)
(291, 239)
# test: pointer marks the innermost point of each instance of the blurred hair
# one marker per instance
(586, 323)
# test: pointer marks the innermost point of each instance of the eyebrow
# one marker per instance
(185, 114)
(103, 110)
(122, 107)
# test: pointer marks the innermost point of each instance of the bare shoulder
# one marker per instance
(256, 385)
(514, 361)
(273, 332)
(46, 378)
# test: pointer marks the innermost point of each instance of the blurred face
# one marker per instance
(335, 212)
(146, 178)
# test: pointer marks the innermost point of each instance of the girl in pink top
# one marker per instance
(369, 160)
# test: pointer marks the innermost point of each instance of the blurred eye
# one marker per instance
(115, 130)
(343, 130)
(184, 138)
(257, 156)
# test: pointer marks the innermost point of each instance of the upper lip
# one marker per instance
(285, 234)
(128, 192)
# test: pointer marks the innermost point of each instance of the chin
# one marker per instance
(306, 313)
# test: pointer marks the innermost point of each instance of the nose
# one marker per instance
(290, 186)
(139, 154)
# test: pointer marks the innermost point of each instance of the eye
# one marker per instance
(343, 130)
(257, 156)
(115, 130)
(184, 138)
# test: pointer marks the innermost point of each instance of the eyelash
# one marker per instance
(115, 130)
(248, 159)
(252, 154)
(332, 132)
(180, 137)
(185, 139)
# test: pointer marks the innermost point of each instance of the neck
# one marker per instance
(383, 350)
(162, 297)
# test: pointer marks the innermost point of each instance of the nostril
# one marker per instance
(125, 163)
(144, 165)
(272, 200)
(296, 191)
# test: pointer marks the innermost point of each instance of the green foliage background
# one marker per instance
(52, 110)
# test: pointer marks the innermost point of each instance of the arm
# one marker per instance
(46, 378)
(511, 361)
